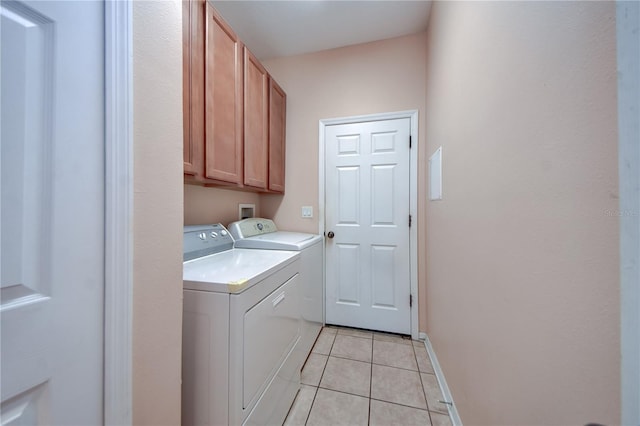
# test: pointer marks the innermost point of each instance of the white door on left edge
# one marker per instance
(367, 212)
(52, 212)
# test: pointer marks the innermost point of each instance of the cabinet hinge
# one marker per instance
(410, 300)
(410, 219)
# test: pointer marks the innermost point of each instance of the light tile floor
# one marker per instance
(359, 377)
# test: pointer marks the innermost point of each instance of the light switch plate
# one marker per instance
(307, 211)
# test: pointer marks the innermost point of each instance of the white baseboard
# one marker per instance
(446, 393)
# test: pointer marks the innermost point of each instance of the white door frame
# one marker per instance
(412, 115)
(628, 62)
(118, 292)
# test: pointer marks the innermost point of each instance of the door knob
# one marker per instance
(331, 234)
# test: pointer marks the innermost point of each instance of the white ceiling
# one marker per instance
(283, 28)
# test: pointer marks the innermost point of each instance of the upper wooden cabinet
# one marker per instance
(223, 100)
(193, 24)
(212, 97)
(277, 131)
(231, 136)
(256, 122)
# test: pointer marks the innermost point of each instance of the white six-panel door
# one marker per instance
(367, 212)
(52, 212)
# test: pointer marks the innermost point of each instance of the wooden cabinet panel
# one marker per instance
(223, 100)
(256, 122)
(234, 113)
(277, 132)
(193, 86)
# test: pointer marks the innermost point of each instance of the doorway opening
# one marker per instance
(377, 147)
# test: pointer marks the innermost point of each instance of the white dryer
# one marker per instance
(241, 328)
(257, 233)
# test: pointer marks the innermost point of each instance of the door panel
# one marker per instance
(348, 273)
(256, 122)
(277, 136)
(382, 188)
(348, 195)
(52, 226)
(223, 102)
(383, 272)
(367, 207)
(193, 29)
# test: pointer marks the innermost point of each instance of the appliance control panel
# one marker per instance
(203, 240)
(251, 227)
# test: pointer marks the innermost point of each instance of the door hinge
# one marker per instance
(409, 141)
(410, 219)
(410, 300)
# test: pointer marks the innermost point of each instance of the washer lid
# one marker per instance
(280, 240)
(233, 271)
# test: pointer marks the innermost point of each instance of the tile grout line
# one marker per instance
(399, 404)
(424, 392)
(386, 365)
(323, 370)
(348, 393)
(399, 368)
(375, 399)
(372, 338)
(370, 381)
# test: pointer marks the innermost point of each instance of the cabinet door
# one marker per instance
(277, 131)
(256, 122)
(223, 100)
(193, 23)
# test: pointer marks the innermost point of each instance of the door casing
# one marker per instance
(118, 192)
(413, 195)
(118, 280)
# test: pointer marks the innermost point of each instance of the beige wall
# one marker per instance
(522, 253)
(212, 205)
(157, 232)
(376, 77)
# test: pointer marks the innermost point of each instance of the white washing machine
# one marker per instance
(241, 328)
(257, 233)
